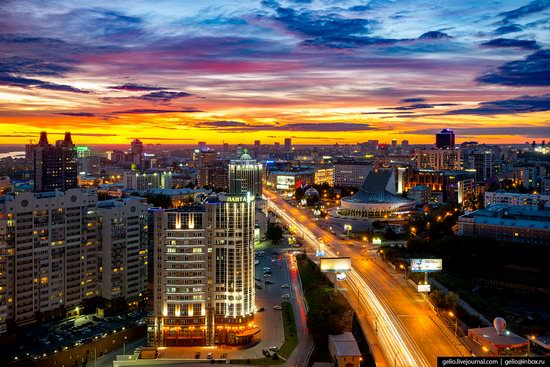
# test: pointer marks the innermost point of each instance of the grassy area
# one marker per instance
(291, 341)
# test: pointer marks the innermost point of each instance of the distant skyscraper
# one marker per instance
(394, 144)
(445, 139)
(405, 144)
(482, 162)
(245, 175)
(288, 145)
(257, 143)
(438, 159)
(202, 273)
(202, 146)
(55, 166)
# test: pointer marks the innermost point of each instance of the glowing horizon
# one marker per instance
(317, 71)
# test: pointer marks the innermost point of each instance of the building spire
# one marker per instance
(43, 138)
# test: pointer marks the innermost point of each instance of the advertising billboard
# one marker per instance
(424, 288)
(426, 265)
(335, 264)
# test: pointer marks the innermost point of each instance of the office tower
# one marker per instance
(245, 175)
(405, 144)
(445, 139)
(55, 166)
(438, 159)
(288, 145)
(202, 146)
(202, 273)
(48, 243)
(122, 250)
(257, 144)
(207, 157)
(394, 144)
(214, 175)
(136, 151)
(482, 162)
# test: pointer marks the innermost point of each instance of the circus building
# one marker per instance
(376, 198)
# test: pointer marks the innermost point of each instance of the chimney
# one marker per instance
(43, 138)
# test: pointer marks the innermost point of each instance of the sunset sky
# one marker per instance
(319, 71)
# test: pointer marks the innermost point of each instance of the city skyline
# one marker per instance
(319, 72)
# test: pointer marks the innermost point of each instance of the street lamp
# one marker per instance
(451, 313)
(124, 345)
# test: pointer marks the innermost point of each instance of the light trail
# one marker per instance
(394, 339)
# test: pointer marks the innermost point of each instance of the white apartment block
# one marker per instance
(48, 255)
(202, 273)
(508, 198)
(142, 182)
(438, 159)
(122, 249)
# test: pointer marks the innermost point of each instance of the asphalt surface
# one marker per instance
(407, 332)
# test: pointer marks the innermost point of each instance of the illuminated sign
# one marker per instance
(376, 241)
(285, 182)
(335, 264)
(239, 199)
(320, 253)
(426, 265)
(424, 288)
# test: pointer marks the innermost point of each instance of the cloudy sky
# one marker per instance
(319, 71)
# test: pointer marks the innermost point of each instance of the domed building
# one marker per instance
(376, 199)
(311, 192)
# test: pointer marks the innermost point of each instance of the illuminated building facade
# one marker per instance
(245, 175)
(55, 166)
(139, 181)
(438, 159)
(48, 266)
(122, 250)
(202, 273)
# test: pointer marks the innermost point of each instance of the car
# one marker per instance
(258, 279)
(268, 272)
(285, 286)
(266, 268)
(268, 282)
(267, 275)
(277, 307)
(273, 260)
(273, 349)
(198, 355)
(260, 309)
(286, 296)
(209, 356)
(265, 352)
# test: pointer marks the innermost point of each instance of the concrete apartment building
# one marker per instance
(510, 223)
(351, 173)
(122, 250)
(48, 243)
(438, 159)
(526, 200)
(202, 273)
(143, 181)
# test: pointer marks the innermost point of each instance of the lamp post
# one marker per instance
(451, 313)
(124, 345)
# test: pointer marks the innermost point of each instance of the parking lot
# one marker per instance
(55, 336)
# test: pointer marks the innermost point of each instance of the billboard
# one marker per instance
(335, 264)
(426, 265)
(424, 288)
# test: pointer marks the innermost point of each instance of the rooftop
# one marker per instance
(345, 344)
(506, 338)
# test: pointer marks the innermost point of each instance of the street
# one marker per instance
(406, 331)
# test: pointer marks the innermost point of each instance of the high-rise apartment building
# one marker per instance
(245, 175)
(143, 181)
(48, 243)
(288, 145)
(122, 249)
(438, 159)
(482, 162)
(445, 139)
(201, 268)
(351, 173)
(55, 166)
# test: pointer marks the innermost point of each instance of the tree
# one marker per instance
(274, 232)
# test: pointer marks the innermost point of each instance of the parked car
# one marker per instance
(286, 296)
(267, 275)
(273, 349)
(285, 286)
(260, 309)
(268, 282)
(277, 307)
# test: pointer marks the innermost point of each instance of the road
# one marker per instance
(407, 333)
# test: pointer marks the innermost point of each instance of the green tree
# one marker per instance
(274, 233)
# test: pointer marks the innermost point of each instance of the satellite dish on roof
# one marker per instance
(500, 324)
